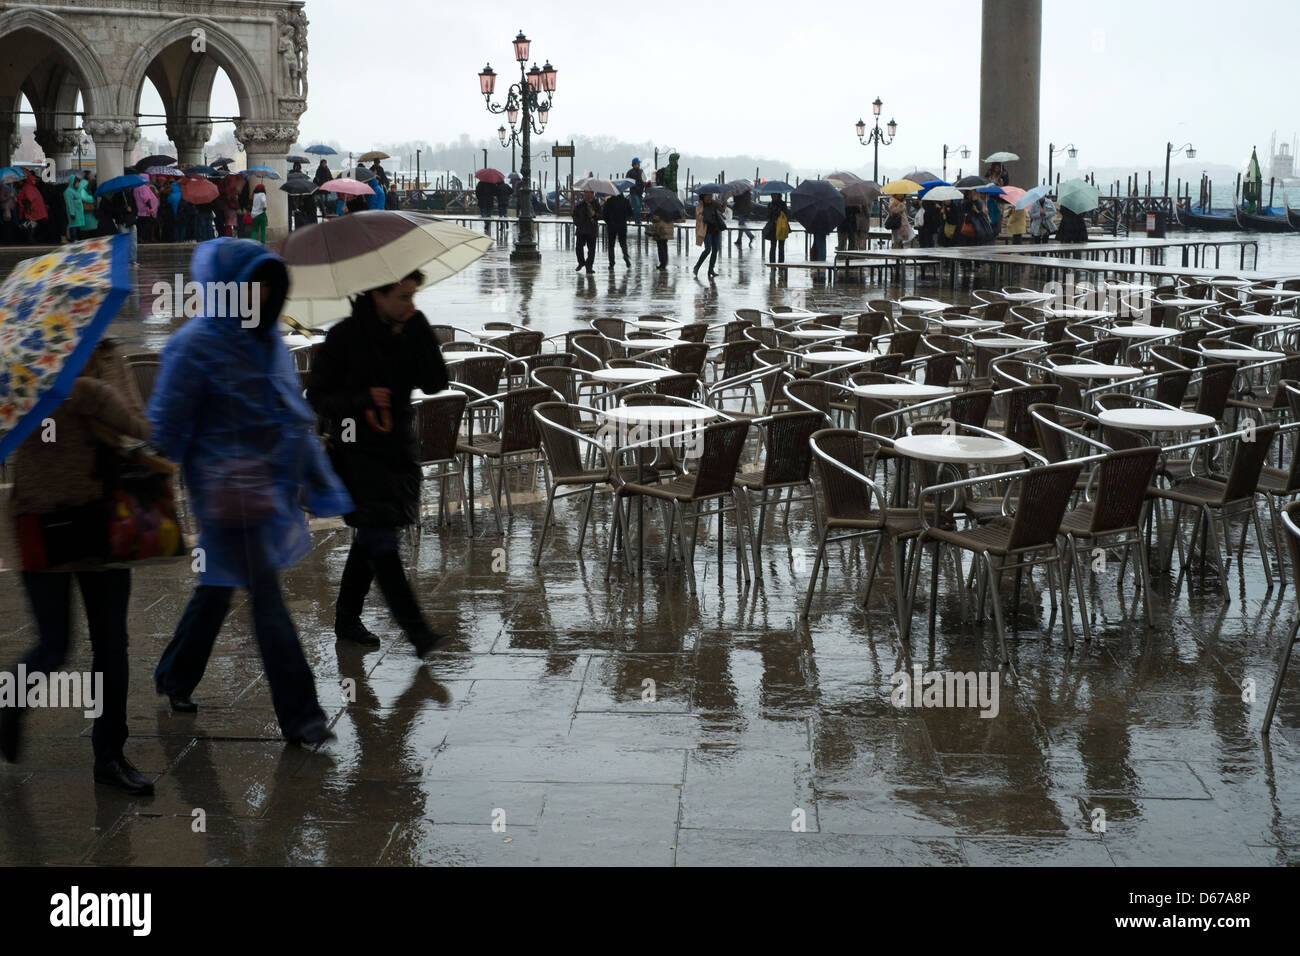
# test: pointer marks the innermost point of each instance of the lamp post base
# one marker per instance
(525, 253)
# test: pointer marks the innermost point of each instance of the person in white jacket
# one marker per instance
(259, 213)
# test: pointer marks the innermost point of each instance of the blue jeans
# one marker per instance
(818, 251)
(635, 200)
(293, 689)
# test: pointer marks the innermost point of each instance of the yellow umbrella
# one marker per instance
(900, 187)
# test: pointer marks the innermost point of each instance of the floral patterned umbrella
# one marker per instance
(53, 311)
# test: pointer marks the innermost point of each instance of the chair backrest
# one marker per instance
(524, 343)
(694, 332)
(789, 456)
(688, 359)
(1123, 478)
(891, 364)
(1105, 350)
(678, 386)
(1050, 441)
(813, 394)
(1215, 388)
(1044, 495)
(443, 333)
(749, 315)
(518, 425)
(883, 306)
(145, 373)
(437, 423)
(735, 331)
(481, 374)
(1171, 386)
(499, 326)
(940, 368)
(562, 381)
(905, 342)
(1247, 462)
(765, 335)
(1019, 425)
(871, 323)
(715, 473)
(972, 407)
(738, 357)
(842, 496)
(562, 451)
(610, 328)
(993, 311)
(861, 343)
(592, 351)
(1291, 522)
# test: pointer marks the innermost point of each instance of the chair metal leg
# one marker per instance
(934, 584)
(996, 600)
(1078, 589)
(1263, 551)
(875, 563)
(741, 563)
(1067, 613)
(1212, 538)
(586, 516)
(1144, 579)
(1281, 675)
(812, 580)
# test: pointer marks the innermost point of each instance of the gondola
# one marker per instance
(1210, 220)
(1294, 216)
(1264, 221)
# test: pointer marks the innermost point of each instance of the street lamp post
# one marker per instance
(875, 137)
(1052, 152)
(526, 97)
(965, 154)
(1170, 149)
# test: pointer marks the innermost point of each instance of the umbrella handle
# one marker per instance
(380, 419)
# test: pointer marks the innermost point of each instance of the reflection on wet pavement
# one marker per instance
(576, 721)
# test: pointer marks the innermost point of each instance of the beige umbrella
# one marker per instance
(371, 156)
(342, 257)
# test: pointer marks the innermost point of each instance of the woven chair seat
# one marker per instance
(899, 524)
(993, 537)
(1275, 481)
(681, 488)
(489, 446)
(1195, 491)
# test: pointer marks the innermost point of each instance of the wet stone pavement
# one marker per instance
(572, 720)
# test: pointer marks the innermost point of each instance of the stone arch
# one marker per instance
(80, 57)
(255, 99)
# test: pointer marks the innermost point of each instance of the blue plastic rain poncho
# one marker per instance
(72, 202)
(227, 400)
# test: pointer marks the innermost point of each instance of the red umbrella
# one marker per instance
(348, 187)
(490, 176)
(197, 191)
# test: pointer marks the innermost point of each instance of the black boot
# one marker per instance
(354, 631)
(119, 773)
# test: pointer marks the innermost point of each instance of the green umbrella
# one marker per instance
(1077, 195)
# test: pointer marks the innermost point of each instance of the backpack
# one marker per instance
(782, 231)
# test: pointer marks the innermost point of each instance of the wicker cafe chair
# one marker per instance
(437, 426)
(1029, 538)
(145, 373)
(693, 332)
(516, 438)
(1291, 520)
(786, 466)
(847, 512)
(1282, 484)
(1112, 518)
(559, 429)
(1219, 499)
(713, 480)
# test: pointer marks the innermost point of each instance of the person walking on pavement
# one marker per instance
(710, 227)
(52, 477)
(777, 228)
(228, 406)
(586, 228)
(615, 212)
(485, 193)
(323, 175)
(360, 383)
(637, 190)
(742, 206)
(661, 231)
(504, 192)
(259, 213)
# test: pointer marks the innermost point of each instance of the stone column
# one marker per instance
(266, 144)
(59, 145)
(1010, 64)
(111, 135)
(189, 140)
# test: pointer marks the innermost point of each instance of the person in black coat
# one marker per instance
(616, 212)
(586, 228)
(360, 384)
(743, 206)
(775, 209)
(504, 192)
(931, 223)
(485, 193)
(1072, 228)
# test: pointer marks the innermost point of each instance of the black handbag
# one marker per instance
(893, 222)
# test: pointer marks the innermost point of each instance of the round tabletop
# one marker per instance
(1088, 371)
(923, 305)
(1183, 302)
(661, 343)
(1225, 283)
(813, 335)
(1007, 342)
(1265, 321)
(842, 357)
(1079, 313)
(959, 449)
(1276, 293)
(296, 341)
(1027, 296)
(1130, 287)
(654, 325)
(659, 414)
(627, 376)
(969, 324)
(1242, 355)
(1141, 331)
(487, 335)
(903, 391)
(417, 395)
(1155, 419)
(452, 358)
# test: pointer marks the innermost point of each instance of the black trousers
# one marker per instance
(585, 246)
(777, 248)
(374, 557)
(616, 234)
(662, 246)
(106, 595)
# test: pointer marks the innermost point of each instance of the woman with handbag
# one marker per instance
(228, 406)
(710, 227)
(661, 230)
(897, 222)
(59, 508)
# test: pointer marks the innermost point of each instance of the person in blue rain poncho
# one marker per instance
(228, 406)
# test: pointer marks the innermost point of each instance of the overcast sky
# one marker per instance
(788, 81)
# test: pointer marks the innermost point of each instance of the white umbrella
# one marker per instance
(941, 194)
(342, 257)
(601, 187)
(1002, 158)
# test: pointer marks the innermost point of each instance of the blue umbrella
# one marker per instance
(201, 170)
(129, 181)
(774, 187)
(1033, 195)
(709, 189)
(817, 206)
(321, 150)
(54, 309)
(934, 182)
(263, 171)
(992, 189)
(623, 185)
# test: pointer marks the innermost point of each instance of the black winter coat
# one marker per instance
(638, 186)
(381, 470)
(616, 212)
(586, 219)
